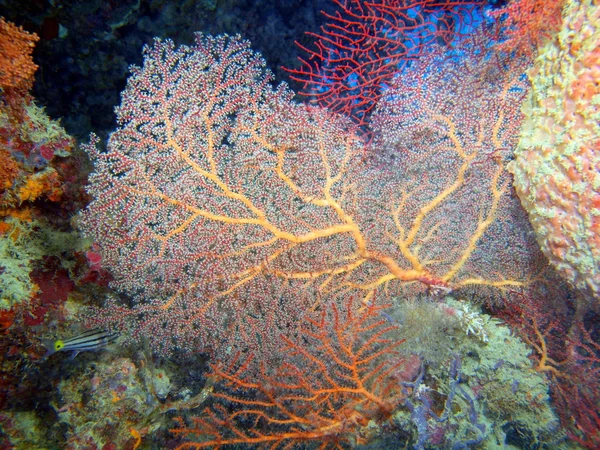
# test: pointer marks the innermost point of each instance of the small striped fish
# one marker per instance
(88, 340)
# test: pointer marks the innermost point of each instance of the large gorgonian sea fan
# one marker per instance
(226, 210)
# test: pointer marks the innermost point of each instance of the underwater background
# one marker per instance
(300, 224)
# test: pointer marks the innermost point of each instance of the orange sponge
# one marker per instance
(557, 165)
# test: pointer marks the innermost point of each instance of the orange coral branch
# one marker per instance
(336, 378)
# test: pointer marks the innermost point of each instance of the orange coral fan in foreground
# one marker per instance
(336, 384)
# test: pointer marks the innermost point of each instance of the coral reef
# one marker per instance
(118, 402)
(107, 405)
(566, 350)
(475, 363)
(24, 247)
(330, 388)
(557, 165)
(33, 149)
(23, 430)
(41, 184)
(86, 48)
(37, 195)
(276, 274)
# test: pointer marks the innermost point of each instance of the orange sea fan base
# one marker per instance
(335, 383)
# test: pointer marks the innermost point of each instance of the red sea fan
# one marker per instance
(366, 43)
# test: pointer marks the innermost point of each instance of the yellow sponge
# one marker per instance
(557, 165)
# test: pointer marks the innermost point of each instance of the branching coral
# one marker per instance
(334, 386)
(222, 205)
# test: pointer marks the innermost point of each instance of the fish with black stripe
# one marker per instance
(89, 340)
